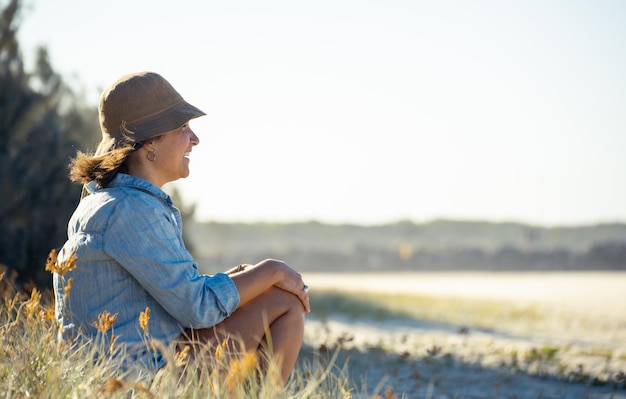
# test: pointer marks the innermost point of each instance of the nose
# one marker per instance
(194, 139)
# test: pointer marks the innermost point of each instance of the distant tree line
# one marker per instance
(42, 125)
(434, 246)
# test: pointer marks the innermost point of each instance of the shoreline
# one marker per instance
(559, 355)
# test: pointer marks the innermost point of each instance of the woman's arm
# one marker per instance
(253, 280)
(145, 240)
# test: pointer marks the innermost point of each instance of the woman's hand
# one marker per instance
(255, 279)
(291, 281)
(237, 269)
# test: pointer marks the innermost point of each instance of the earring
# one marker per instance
(151, 155)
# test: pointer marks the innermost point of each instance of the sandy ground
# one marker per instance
(422, 359)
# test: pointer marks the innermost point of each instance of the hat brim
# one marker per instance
(151, 126)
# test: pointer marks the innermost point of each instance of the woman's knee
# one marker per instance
(285, 300)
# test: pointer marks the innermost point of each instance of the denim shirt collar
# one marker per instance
(124, 180)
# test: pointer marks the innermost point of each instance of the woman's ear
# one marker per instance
(148, 145)
(151, 141)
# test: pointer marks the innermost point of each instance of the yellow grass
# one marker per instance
(33, 363)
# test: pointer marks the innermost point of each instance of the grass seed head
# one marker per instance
(105, 321)
(112, 344)
(144, 318)
(32, 305)
(182, 356)
(53, 266)
(112, 385)
(241, 369)
(68, 287)
(220, 351)
(49, 313)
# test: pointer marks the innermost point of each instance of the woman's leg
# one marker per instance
(276, 312)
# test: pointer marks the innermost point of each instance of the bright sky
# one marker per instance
(374, 111)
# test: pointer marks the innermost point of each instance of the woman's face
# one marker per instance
(172, 152)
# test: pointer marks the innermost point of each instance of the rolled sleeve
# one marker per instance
(225, 292)
(148, 244)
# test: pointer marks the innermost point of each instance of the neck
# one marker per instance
(144, 169)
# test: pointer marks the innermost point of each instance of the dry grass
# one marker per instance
(34, 363)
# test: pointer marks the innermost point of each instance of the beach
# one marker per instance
(566, 338)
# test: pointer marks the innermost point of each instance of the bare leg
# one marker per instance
(275, 311)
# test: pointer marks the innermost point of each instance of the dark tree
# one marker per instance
(42, 125)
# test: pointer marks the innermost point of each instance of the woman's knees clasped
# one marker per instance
(286, 301)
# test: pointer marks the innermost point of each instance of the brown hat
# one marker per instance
(138, 107)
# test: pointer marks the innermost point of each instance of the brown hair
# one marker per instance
(102, 169)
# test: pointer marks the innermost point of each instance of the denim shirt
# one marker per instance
(131, 256)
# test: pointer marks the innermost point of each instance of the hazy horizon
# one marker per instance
(402, 220)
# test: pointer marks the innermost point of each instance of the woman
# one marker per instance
(127, 237)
